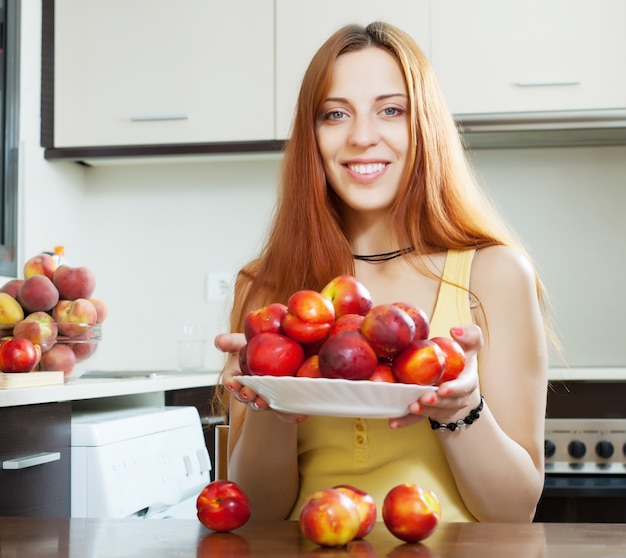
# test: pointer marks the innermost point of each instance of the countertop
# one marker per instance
(90, 388)
(89, 538)
(139, 382)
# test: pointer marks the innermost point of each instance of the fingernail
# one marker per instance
(458, 331)
(231, 387)
(445, 392)
(243, 394)
(430, 399)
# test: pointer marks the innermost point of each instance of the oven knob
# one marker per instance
(604, 449)
(577, 448)
(549, 448)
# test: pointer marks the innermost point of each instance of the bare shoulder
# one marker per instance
(502, 269)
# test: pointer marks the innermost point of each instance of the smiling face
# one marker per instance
(363, 129)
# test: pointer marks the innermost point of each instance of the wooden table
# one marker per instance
(31, 537)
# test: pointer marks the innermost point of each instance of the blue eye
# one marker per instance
(392, 111)
(334, 115)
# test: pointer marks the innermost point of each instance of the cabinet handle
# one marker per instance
(31, 460)
(548, 83)
(156, 117)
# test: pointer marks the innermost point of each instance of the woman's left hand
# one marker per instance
(446, 402)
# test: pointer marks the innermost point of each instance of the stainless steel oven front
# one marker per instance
(585, 450)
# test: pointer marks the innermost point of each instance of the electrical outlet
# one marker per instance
(218, 285)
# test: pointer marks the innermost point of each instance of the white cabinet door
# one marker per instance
(133, 72)
(535, 55)
(302, 26)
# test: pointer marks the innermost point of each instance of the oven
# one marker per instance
(585, 450)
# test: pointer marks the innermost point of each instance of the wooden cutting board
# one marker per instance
(30, 379)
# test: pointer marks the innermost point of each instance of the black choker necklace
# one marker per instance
(386, 256)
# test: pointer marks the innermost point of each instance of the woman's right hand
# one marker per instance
(231, 344)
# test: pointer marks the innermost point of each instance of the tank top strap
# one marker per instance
(453, 300)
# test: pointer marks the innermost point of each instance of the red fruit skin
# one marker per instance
(309, 318)
(419, 317)
(348, 296)
(455, 358)
(38, 293)
(411, 513)
(39, 328)
(40, 264)
(59, 357)
(388, 328)
(347, 355)
(421, 362)
(383, 373)
(11, 287)
(310, 368)
(243, 360)
(329, 518)
(84, 350)
(266, 319)
(18, 355)
(222, 506)
(74, 282)
(365, 505)
(347, 322)
(273, 354)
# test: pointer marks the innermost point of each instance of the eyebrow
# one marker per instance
(379, 98)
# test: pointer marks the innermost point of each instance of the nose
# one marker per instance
(364, 131)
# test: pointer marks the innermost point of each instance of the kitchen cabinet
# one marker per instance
(142, 78)
(152, 72)
(35, 431)
(296, 43)
(543, 55)
(35, 456)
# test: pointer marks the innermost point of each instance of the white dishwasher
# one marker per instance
(146, 463)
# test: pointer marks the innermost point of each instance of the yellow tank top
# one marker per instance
(366, 453)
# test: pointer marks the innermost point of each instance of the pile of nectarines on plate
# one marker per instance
(337, 333)
(49, 319)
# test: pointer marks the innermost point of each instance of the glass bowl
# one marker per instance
(64, 347)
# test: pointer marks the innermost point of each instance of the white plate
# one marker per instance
(335, 398)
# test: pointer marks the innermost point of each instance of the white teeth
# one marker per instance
(367, 169)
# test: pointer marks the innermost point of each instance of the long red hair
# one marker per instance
(440, 205)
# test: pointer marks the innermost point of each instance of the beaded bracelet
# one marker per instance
(461, 423)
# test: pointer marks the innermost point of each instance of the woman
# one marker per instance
(375, 167)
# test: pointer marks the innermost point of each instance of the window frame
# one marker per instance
(10, 131)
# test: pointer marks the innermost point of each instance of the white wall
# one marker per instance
(157, 231)
(153, 232)
(569, 207)
(51, 196)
